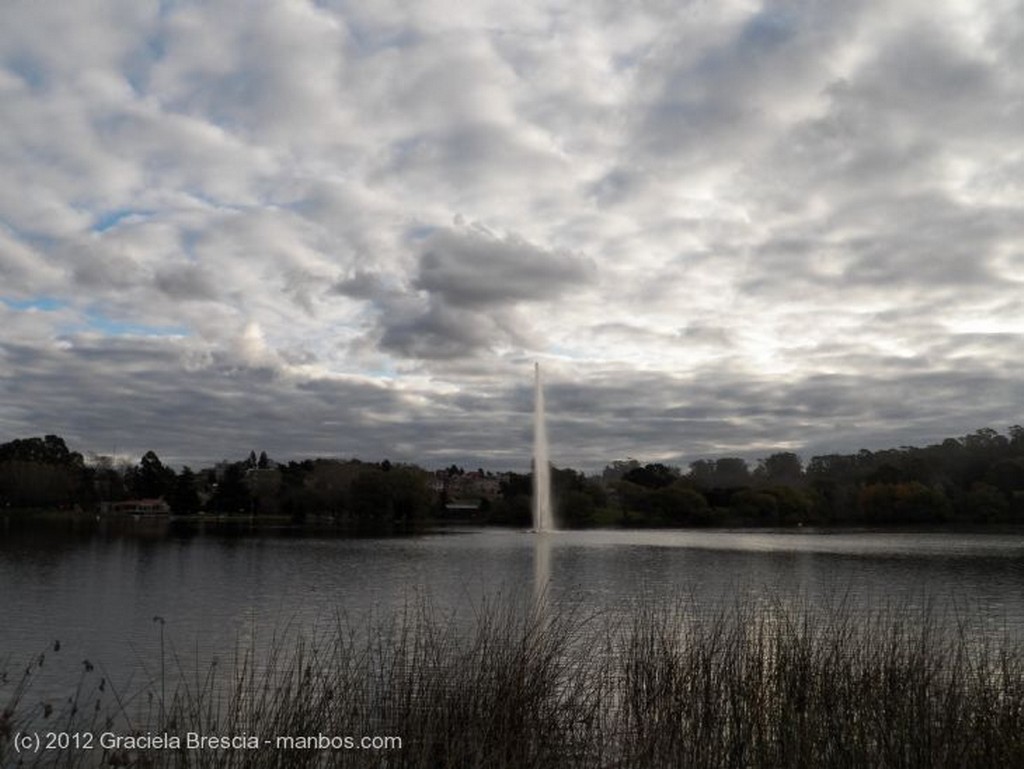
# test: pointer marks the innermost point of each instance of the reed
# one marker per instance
(759, 685)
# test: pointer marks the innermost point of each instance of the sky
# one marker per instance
(350, 228)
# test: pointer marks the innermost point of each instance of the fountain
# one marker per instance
(543, 519)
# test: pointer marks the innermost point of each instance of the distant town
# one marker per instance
(973, 479)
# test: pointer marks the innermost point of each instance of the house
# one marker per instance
(136, 507)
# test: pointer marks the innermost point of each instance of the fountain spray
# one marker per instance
(543, 518)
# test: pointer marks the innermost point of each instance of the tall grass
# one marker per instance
(755, 686)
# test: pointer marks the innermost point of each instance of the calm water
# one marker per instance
(97, 592)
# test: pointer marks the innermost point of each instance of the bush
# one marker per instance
(755, 686)
(911, 502)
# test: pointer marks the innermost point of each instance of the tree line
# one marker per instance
(977, 478)
(42, 473)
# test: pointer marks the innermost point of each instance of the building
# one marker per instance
(136, 507)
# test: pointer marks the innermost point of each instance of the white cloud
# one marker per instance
(721, 225)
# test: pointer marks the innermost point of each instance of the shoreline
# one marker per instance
(326, 523)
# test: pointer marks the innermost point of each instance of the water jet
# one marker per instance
(543, 517)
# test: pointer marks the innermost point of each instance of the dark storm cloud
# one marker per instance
(473, 269)
(187, 282)
(721, 410)
(924, 76)
(363, 285)
(924, 243)
(438, 333)
(464, 296)
(702, 333)
(134, 394)
(722, 96)
(99, 269)
(228, 408)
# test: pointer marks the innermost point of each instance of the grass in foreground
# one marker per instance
(753, 687)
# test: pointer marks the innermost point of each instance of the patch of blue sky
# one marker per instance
(420, 231)
(769, 29)
(404, 150)
(139, 66)
(110, 219)
(39, 303)
(36, 239)
(189, 240)
(384, 371)
(29, 70)
(369, 41)
(763, 34)
(204, 197)
(104, 324)
(156, 45)
(565, 353)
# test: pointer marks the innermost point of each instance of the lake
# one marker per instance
(98, 589)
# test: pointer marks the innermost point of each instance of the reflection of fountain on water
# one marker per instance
(543, 519)
(541, 570)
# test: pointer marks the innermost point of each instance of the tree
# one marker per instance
(514, 507)
(678, 504)
(36, 484)
(108, 481)
(184, 497)
(792, 504)
(575, 510)
(49, 450)
(783, 468)
(984, 440)
(151, 479)
(985, 504)
(382, 499)
(1007, 475)
(42, 472)
(410, 495)
(1016, 437)
(265, 487)
(652, 476)
(232, 492)
(757, 506)
(329, 483)
(515, 510)
(912, 502)
(296, 498)
(516, 484)
(617, 469)
(724, 473)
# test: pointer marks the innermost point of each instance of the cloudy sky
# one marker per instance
(349, 228)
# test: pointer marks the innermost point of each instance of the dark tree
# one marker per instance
(42, 472)
(723, 473)
(151, 479)
(382, 500)
(652, 476)
(232, 492)
(783, 467)
(296, 499)
(184, 497)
